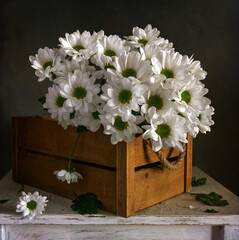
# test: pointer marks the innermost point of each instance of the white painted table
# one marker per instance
(172, 219)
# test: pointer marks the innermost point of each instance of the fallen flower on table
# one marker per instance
(31, 205)
(68, 174)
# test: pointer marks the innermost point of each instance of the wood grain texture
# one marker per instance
(145, 155)
(154, 185)
(43, 134)
(107, 219)
(125, 179)
(37, 170)
(231, 232)
(188, 164)
(105, 232)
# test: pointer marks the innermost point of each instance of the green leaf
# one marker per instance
(3, 201)
(136, 113)
(81, 129)
(86, 203)
(198, 182)
(140, 125)
(42, 100)
(138, 135)
(212, 199)
(211, 211)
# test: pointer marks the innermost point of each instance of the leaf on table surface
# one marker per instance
(4, 201)
(198, 182)
(86, 203)
(212, 199)
(211, 211)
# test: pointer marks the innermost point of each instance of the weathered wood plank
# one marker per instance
(75, 232)
(231, 232)
(3, 232)
(108, 219)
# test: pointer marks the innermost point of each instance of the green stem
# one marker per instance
(69, 164)
(74, 194)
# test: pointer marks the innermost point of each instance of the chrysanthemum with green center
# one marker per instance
(167, 73)
(163, 130)
(129, 72)
(131, 65)
(155, 101)
(125, 96)
(119, 124)
(186, 97)
(166, 129)
(79, 92)
(60, 101)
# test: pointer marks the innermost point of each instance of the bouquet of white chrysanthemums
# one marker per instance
(132, 86)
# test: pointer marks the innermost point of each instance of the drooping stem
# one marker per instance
(73, 150)
(74, 194)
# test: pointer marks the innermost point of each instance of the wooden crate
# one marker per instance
(123, 176)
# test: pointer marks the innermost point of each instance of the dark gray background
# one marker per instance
(207, 29)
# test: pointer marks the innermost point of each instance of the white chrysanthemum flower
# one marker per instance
(44, 62)
(130, 65)
(191, 97)
(66, 67)
(107, 49)
(31, 205)
(111, 46)
(148, 35)
(149, 51)
(195, 68)
(159, 98)
(120, 130)
(205, 119)
(69, 175)
(80, 91)
(169, 70)
(191, 122)
(73, 120)
(165, 130)
(122, 95)
(79, 45)
(91, 120)
(55, 104)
